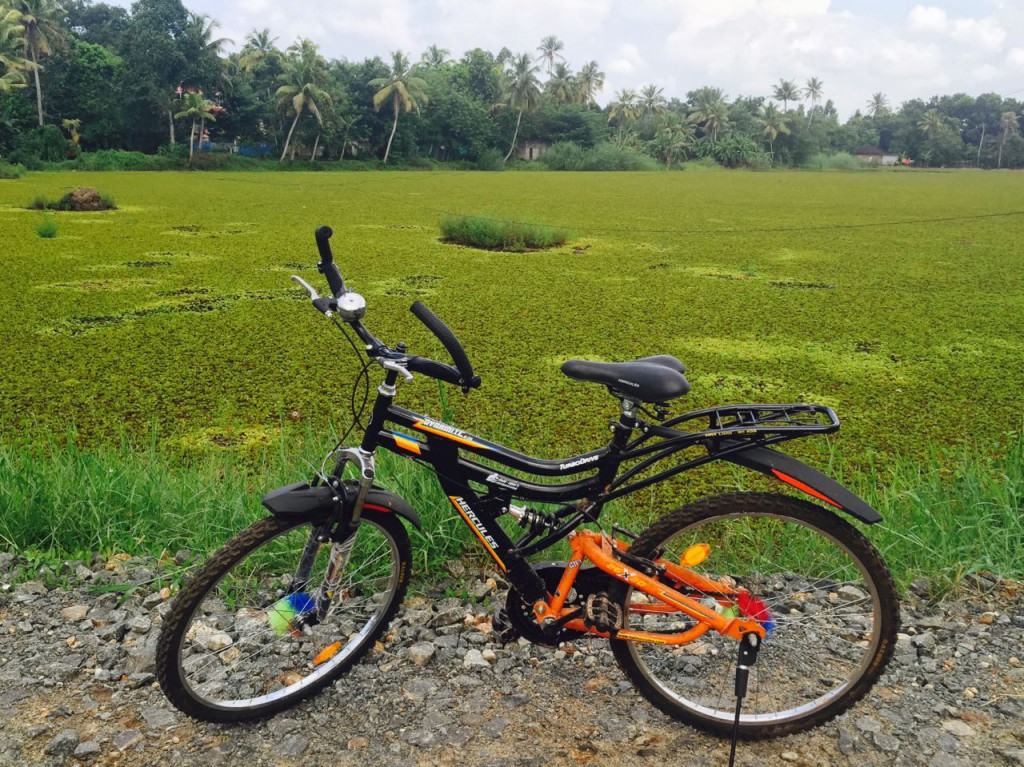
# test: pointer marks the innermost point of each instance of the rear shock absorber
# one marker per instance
(535, 520)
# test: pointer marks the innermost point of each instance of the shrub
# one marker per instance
(565, 155)
(838, 161)
(702, 163)
(493, 234)
(491, 159)
(11, 170)
(47, 227)
(39, 202)
(609, 156)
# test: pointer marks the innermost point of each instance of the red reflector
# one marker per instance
(805, 488)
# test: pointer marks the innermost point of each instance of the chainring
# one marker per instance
(589, 580)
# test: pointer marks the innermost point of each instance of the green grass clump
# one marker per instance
(11, 170)
(46, 227)
(493, 234)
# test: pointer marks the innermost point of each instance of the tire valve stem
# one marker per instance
(749, 646)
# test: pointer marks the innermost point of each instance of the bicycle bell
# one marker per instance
(351, 306)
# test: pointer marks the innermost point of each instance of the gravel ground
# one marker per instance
(77, 688)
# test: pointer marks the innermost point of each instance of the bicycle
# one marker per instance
(767, 602)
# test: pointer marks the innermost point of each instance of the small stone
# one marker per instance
(867, 724)
(358, 742)
(140, 624)
(125, 739)
(293, 745)
(158, 718)
(474, 659)
(62, 744)
(75, 613)
(789, 756)
(1014, 662)
(987, 618)
(884, 742)
(489, 655)
(957, 727)
(422, 653)
(87, 749)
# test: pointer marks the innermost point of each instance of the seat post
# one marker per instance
(627, 422)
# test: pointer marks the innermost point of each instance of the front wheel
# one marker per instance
(817, 585)
(275, 615)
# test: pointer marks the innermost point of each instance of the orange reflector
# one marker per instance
(694, 555)
(327, 653)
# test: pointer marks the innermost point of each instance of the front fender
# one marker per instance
(300, 498)
(801, 476)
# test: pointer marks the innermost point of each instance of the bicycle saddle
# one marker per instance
(650, 379)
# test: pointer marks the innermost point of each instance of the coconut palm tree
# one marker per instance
(435, 57)
(41, 24)
(814, 90)
(671, 140)
(785, 92)
(404, 90)
(651, 100)
(931, 123)
(12, 65)
(520, 91)
(549, 49)
(561, 86)
(259, 48)
(1009, 125)
(199, 109)
(304, 74)
(625, 108)
(589, 83)
(772, 124)
(199, 31)
(878, 104)
(710, 112)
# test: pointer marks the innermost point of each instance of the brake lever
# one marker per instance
(313, 295)
(324, 305)
(394, 366)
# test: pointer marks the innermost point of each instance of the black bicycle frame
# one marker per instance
(481, 493)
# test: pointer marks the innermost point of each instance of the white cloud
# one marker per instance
(927, 18)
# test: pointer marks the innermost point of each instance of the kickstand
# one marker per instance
(749, 646)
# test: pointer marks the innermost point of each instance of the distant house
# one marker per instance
(875, 156)
(532, 150)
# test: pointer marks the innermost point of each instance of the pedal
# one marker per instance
(602, 613)
(503, 626)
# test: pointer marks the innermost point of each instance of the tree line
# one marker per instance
(84, 76)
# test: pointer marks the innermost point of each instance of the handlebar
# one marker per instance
(460, 375)
(327, 267)
(444, 334)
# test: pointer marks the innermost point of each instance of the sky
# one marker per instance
(855, 47)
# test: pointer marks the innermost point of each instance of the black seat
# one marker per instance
(651, 379)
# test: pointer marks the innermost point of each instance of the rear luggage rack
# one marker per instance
(771, 422)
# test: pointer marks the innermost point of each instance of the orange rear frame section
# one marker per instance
(597, 548)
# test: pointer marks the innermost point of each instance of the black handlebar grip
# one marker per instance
(434, 369)
(451, 343)
(327, 267)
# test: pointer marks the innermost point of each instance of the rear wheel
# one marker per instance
(255, 630)
(816, 584)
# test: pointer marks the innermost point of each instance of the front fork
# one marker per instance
(342, 540)
(598, 548)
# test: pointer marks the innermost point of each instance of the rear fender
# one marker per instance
(805, 479)
(300, 498)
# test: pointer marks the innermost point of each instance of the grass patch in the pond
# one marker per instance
(494, 234)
